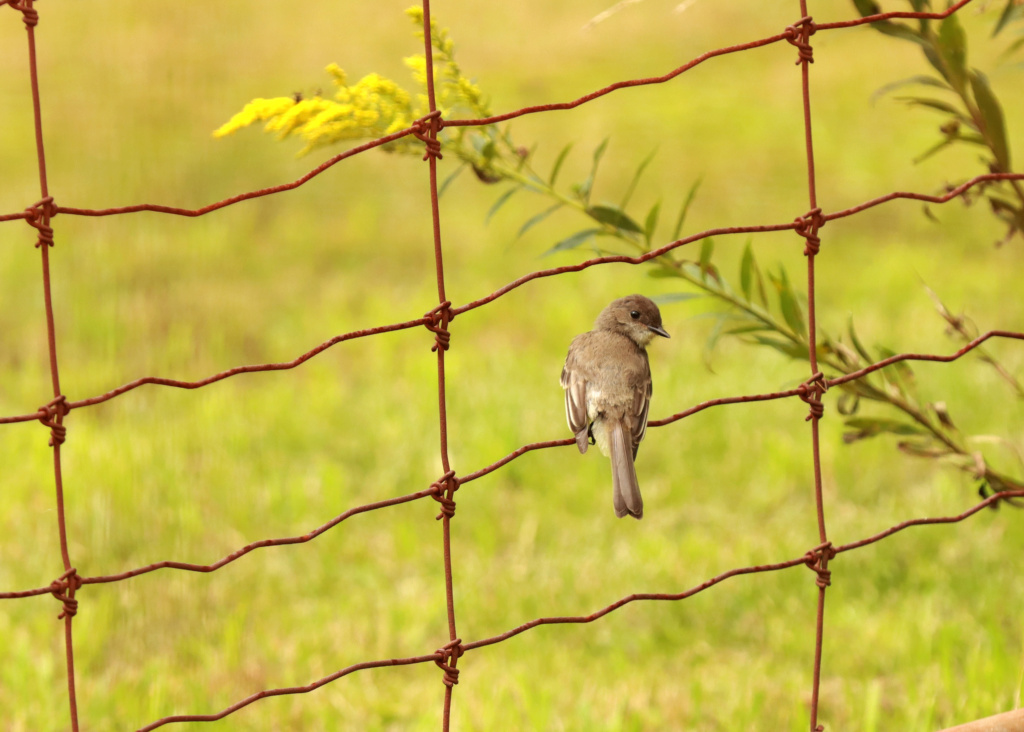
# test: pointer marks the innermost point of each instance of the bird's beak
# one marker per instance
(659, 330)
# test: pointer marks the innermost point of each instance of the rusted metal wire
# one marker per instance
(799, 34)
(437, 321)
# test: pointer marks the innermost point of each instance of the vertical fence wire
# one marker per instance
(801, 39)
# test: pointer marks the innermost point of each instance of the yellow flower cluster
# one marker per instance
(371, 108)
(456, 92)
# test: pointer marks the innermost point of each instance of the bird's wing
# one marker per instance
(641, 404)
(575, 385)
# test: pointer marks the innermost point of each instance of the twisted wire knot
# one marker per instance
(807, 226)
(811, 392)
(52, 415)
(437, 323)
(799, 35)
(29, 15)
(425, 130)
(63, 588)
(444, 488)
(449, 655)
(817, 560)
(39, 215)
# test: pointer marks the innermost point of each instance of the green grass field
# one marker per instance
(923, 630)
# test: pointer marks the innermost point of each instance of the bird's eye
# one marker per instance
(634, 314)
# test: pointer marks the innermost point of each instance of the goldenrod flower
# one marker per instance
(371, 108)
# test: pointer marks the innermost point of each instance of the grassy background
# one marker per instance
(922, 631)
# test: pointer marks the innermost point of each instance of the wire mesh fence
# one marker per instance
(58, 410)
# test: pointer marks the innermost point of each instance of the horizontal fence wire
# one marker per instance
(53, 414)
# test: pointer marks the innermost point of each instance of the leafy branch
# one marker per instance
(764, 310)
(963, 96)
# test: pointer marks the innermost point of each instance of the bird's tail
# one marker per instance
(627, 491)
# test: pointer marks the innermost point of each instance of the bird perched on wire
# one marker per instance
(607, 382)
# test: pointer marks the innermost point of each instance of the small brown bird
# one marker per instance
(607, 382)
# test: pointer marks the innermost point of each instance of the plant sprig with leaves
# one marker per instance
(973, 114)
(765, 310)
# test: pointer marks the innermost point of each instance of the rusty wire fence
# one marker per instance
(67, 588)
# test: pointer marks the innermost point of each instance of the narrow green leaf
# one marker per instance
(846, 355)
(707, 248)
(871, 426)
(751, 328)
(952, 47)
(747, 267)
(614, 217)
(761, 291)
(864, 388)
(937, 147)
(715, 284)
(940, 307)
(662, 272)
(851, 437)
(1005, 210)
(708, 315)
(558, 164)
(922, 448)
(678, 297)
(536, 219)
(1012, 9)
(932, 54)
(1014, 47)
(973, 139)
(888, 27)
(890, 377)
(791, 310)
(793, 350)
(651, 222)
(939, 105)
(921, 6)
(920, 79)
(636, 179)
(712, 341)
(898, 372)
(848, 403)
(690, 269)
(867, 7)
(571, 242)
(992, 116)
(686, 207)
(534, 184)
(451, 177)
(898, 30)
(906, 372)
(861, 351)
(502, 199)
(584, 189)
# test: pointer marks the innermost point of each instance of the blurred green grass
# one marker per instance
(922, 630)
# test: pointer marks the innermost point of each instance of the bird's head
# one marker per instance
(635, 317)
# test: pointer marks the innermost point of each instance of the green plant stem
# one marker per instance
(955, 446)
(521, 173)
